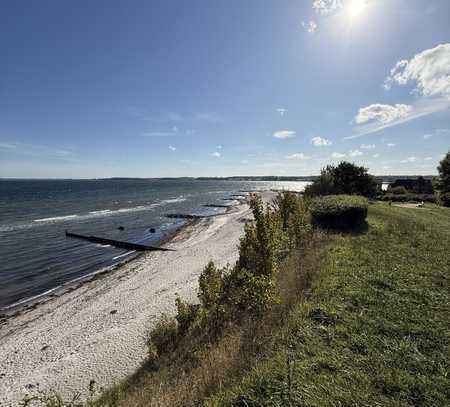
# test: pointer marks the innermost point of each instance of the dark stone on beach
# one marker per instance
(121, 228)
(152, 230)
(44, 347)
(112, 312)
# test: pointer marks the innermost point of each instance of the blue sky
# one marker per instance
(217, 88)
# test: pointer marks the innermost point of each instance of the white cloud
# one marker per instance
(174, 129)
(190, 132)
(391, 144)
(377, 117)
(428, 158)
(215, 154)
(382, 113)
(244, 162)
(320, 142)
(430, 70)
(355, 153)
(310, 26)
(376, 155)
(282, 111)
(172, 148)
(427, 136)
(34, 150)
(324, 7)
(367, 146)
(283, 134)
(337, 155)
(409, 160)
(298, 156)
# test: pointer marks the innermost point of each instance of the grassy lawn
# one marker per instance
(375, 331)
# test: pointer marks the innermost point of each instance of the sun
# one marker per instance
(356, 7)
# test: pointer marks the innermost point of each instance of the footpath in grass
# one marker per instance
(375, 330)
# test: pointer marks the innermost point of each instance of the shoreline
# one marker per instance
(98, 329)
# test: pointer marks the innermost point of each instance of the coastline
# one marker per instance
(97, 330)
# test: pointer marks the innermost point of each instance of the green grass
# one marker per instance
(374, 331)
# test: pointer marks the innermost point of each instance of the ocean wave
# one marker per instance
(173, 200)
(91, 214)
(56, 218)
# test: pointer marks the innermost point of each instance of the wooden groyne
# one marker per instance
(118, 243)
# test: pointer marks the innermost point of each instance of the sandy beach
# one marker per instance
(99, 330)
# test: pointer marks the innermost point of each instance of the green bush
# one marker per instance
(398, 190)
(339, 211)
(445, 199)
(431, 198)
(346, 178)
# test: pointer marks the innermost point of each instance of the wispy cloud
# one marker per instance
(391, 144)
(36, 150)
(337, 155)
(283, 134)
(427, 136)
(367, 146)
(376, 155)
(215, 154)
(157, 134)
(355, 153)
(409, 160)
(310, 26)
(320, 142)
(172, 148)
(282, 111)
(209, 117)
(298, 156)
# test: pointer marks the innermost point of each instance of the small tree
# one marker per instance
(444, 173)
(346, 178)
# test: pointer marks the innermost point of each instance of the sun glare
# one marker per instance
(356, 7)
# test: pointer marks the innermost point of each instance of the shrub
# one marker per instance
(444, 173)
(408, 197)
(339, 211)
(210, 285)
(445, 199)
(398, 190)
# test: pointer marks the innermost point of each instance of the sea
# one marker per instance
(36, 257)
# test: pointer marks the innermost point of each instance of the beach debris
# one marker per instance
(121, 228)
(112, 312)
(216, 206)
(152, 230)
(45, 347)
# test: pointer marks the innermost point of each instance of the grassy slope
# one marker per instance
(375, 331)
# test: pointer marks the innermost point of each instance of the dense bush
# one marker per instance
(445, 199)
(398, 190)
(408, 197)
(346, 178)
(339, 211)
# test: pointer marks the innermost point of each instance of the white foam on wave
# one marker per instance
(123, 255)
(56, 218)
(173, 200)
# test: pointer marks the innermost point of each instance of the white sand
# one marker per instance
(68, 341)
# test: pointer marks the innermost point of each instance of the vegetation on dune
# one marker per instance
(375, 331)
